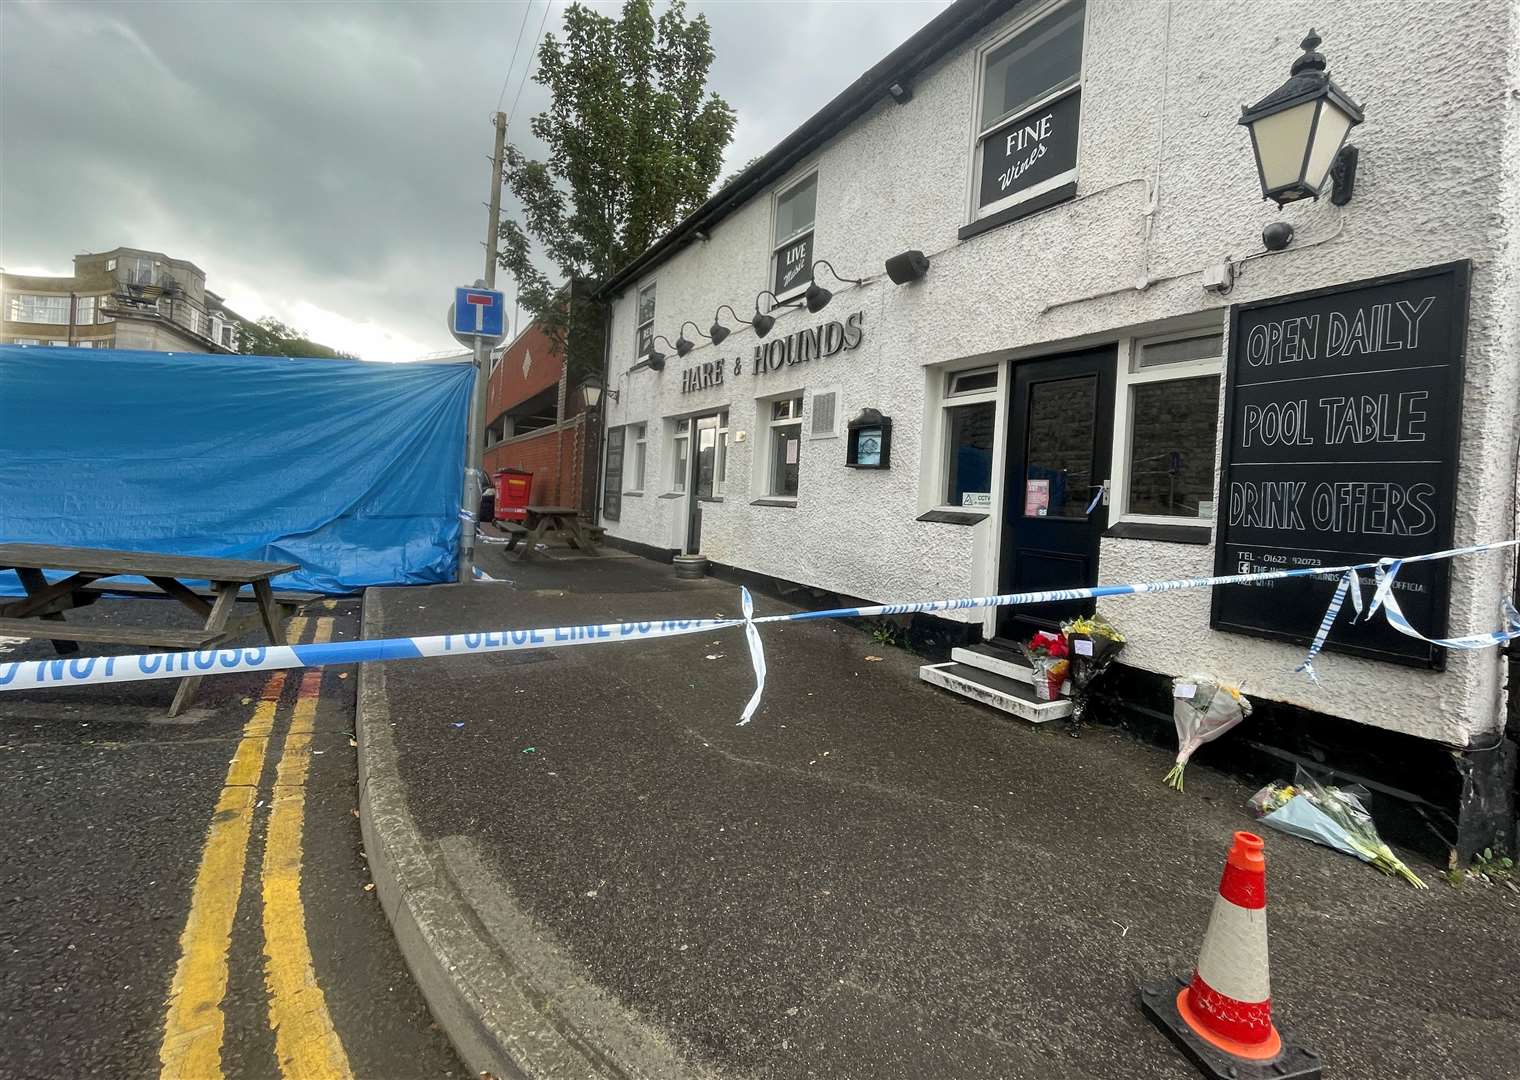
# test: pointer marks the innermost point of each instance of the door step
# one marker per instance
(1009, 663)
(1010, 695)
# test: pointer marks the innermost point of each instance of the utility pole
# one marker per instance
(474, 482)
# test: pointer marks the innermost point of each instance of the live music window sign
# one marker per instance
(1343, 420)
(1038, 148)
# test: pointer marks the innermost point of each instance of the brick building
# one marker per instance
(536, 417)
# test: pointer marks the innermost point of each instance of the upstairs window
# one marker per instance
(84, 311)
(793, 254)
(644, 335)
(30, 308)
(1031, 103)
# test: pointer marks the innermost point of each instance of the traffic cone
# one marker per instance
(1222, 1018)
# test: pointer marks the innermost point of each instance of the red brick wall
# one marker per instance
(508, 385)
(554, 456)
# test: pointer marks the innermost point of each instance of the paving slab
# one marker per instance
(874, 878)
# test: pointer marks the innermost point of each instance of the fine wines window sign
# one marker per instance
(1342, 425)
(1038, 150)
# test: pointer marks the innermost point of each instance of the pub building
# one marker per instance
(1067, 293)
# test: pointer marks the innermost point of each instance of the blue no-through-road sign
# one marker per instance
(478, 312)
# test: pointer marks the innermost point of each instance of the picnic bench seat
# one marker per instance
(288, 598)
(150, 636)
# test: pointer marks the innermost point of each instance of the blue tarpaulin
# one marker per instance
(350, 469)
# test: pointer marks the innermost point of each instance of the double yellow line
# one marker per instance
(305, 1041)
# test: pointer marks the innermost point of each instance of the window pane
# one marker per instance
(1171, 466)
(795, 209)
(678, 481)
(786, 449)
(707, 456)
(683, 426)
(1058, 448)
(967, 382)
(970, 450)
(646, 304)
(1156, 353)
(1042, 59)
(786, 409)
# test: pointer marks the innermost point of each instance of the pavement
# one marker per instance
(595, 873)
(190, 897)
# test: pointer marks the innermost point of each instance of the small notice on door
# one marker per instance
(1036, 498)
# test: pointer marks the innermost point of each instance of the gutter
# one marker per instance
(949, 29)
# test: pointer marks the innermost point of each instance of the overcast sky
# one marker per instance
(327, 163)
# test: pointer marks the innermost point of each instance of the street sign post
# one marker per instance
(477, 319)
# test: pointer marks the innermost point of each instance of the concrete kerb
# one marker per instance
(512, 1006)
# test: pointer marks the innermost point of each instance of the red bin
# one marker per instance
(514, 491)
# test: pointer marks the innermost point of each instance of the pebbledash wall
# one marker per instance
(1166, 187)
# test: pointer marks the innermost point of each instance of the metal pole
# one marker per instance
(473, 477)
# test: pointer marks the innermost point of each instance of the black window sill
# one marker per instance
(1173, 534)
(633, 494)
(1010, 214)
(710, 498)
(775, 502)
(952, 517)
(674, 495)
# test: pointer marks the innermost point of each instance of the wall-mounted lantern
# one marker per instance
(817, 297)
(1299, 130)
(717, 331)
(868, 441)
(592, 391)
(683, 345)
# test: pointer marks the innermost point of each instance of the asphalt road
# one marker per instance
(187, 897)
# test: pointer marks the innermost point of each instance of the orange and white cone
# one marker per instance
(1222, 1018)
(1229, 1002)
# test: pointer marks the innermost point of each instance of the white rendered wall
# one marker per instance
(1166, 186)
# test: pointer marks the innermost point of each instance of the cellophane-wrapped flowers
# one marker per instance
(1046, 653)
(1335, 817)
(1203, 708)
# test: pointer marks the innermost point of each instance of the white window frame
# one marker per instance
(948, 401)
(779, 244)
(92, 302)
(110, 265)
(16, 309)
(1127, 378)
(720, 467)
(680, 465)
(638, 324)
(640, 435)
(979, 132)
(769, 426)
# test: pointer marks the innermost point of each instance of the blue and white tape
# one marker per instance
(82, 671)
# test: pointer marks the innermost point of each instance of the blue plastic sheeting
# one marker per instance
(350, 469)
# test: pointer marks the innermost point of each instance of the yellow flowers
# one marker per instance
(1093, 627)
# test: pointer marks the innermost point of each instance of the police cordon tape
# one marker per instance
(84, 671)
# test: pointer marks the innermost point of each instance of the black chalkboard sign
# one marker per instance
(1343, 418)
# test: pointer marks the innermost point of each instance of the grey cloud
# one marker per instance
(332, 153)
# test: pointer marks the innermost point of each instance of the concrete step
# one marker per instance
(1009, 695)
(1008, 663)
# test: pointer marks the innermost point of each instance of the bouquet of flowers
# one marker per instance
(1046, 653)
(1092, 643)
(1335, 817)
(1203, 709)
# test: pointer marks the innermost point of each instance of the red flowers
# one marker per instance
(1044, 643)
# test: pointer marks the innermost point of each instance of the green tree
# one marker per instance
(270, 337)
(635, 141)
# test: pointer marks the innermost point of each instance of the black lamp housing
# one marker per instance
(763, 322)
(654, 359)
(817, 297)
(684, 346)
(1299, 131)
(717, 332)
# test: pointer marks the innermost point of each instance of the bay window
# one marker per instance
(1165, 428)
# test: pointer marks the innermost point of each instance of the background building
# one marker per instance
(122, 299)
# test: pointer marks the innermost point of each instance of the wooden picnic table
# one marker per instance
(40, 612)
(542, 519)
